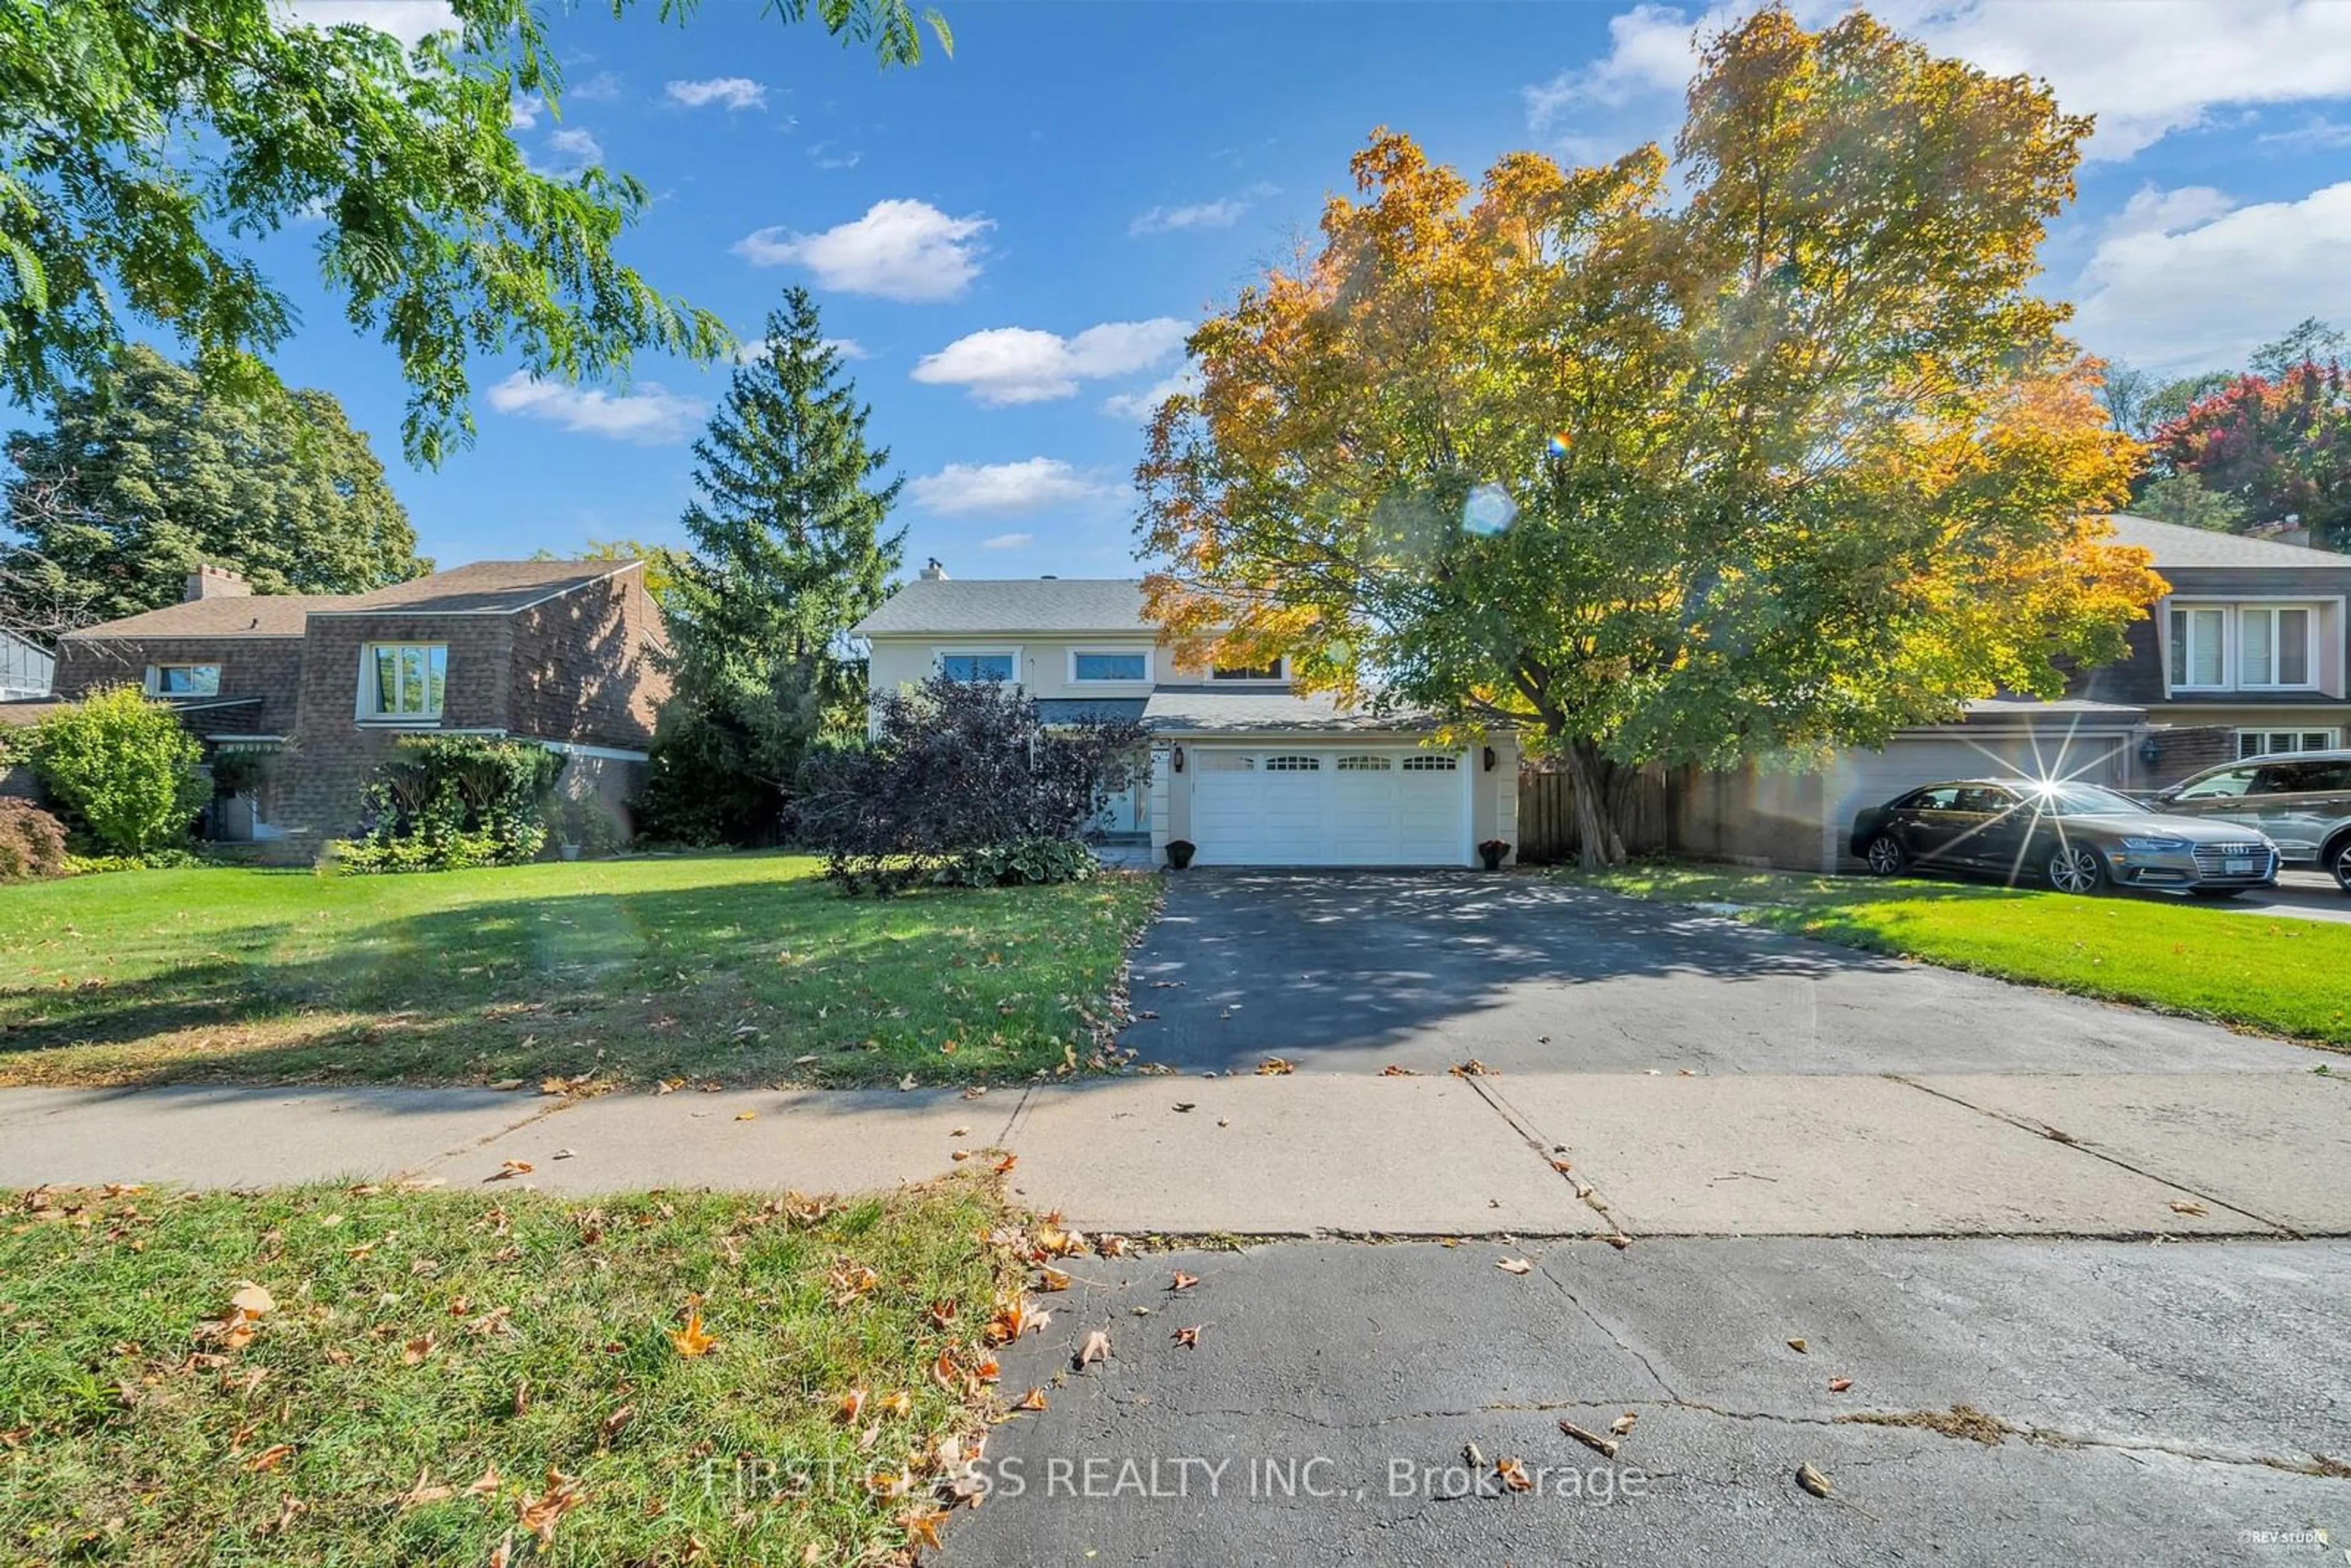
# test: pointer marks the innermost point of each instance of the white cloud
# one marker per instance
(524, 111)
(751, 353)
(407, 20)
(962, 489)
(2144, 72)
(569, 151)
(1144, 404)
(650, 415)
(2317, 133)
(729, 92)
(828, 155)
(604, 87)
(1019, 364)
(2193, 283)
(1008, 541)
(1220, 214)
(899, 250)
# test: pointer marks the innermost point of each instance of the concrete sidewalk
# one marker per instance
(2171, 1155)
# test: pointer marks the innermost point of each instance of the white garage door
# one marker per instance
(1330, 806)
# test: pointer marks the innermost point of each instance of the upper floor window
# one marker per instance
(403, 680)
(1276, 670)
(184, 680)
(2244, 647)
(1133, 664)
(976, 666)
(2273, 643)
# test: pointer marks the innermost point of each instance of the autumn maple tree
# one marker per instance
(1791, 458)
(2277, 448)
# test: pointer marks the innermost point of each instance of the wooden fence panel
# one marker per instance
(1547, 834)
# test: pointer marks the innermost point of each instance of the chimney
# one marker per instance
(208, 582)
(933, 572)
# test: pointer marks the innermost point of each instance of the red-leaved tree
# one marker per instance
(2280, 446)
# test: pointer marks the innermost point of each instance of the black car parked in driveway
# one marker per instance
(2078, 838)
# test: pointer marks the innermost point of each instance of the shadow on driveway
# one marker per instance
(1354, 970)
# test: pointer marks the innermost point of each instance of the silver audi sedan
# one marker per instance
(2078, 838)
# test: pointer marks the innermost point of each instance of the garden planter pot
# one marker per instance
(1492, 853)
(1179, 854)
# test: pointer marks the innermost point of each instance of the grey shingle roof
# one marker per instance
(963, 605)
(494, 587)
(1069, 710)
(258, 615)
(1191, 710)
(2175, 545)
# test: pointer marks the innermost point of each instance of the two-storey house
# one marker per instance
(1241, 764)
(2246, 654)
(315, 690)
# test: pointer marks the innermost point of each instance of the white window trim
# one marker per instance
(1282, 667)
(2309, 651)
(1070, 667)
(2270, 731)
(2326, 618)
(364, 700)
(944, 651)
(155, 677)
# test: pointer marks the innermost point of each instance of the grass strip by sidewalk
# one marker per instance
(742, 968)
(2272, 975)
(435, 1374)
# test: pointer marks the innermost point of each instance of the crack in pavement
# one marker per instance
(2055, 1135)
(1586, 1193)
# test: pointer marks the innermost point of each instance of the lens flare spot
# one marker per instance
(1559, 442)
(1488, 510)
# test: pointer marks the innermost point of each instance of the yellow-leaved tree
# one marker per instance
(1792, 461)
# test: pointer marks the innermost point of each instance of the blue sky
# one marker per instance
(1013, 239)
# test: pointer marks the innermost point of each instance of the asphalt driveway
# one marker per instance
(1349, 971)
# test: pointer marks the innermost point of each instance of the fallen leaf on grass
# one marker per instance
(610, 1428)
(1513, 1265)
(900, 1403)
(1812, 1481)
(538, 1515)
(1839, 1384)
(922, 1527)
(252, 1300)
(484, 1484)
(1188, 1338)
(269, 1459)
(1096, 1348)
(1004, 1167)
(425, 1490)
(691, 1340)
(415, 1351)
(2180, 1206)
(850, 1407)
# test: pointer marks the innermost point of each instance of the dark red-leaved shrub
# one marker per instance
(32, 842)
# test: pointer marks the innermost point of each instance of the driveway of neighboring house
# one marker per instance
(2303, 894)
(1356, 970)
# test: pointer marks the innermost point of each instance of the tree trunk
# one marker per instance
(1599, 798)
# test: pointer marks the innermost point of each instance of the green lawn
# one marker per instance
(429, 1375)
(737, 968)
(2276, 975)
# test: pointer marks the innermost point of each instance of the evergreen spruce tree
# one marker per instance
(787, 551)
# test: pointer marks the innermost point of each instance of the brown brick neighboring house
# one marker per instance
(323, 685)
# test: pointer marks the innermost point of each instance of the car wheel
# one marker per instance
(2076, 868)
(1884, 855)
(2339, 861)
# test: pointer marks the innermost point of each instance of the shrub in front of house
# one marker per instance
(963, 785)
(32, 842)
(123, 768)
(447, 801)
